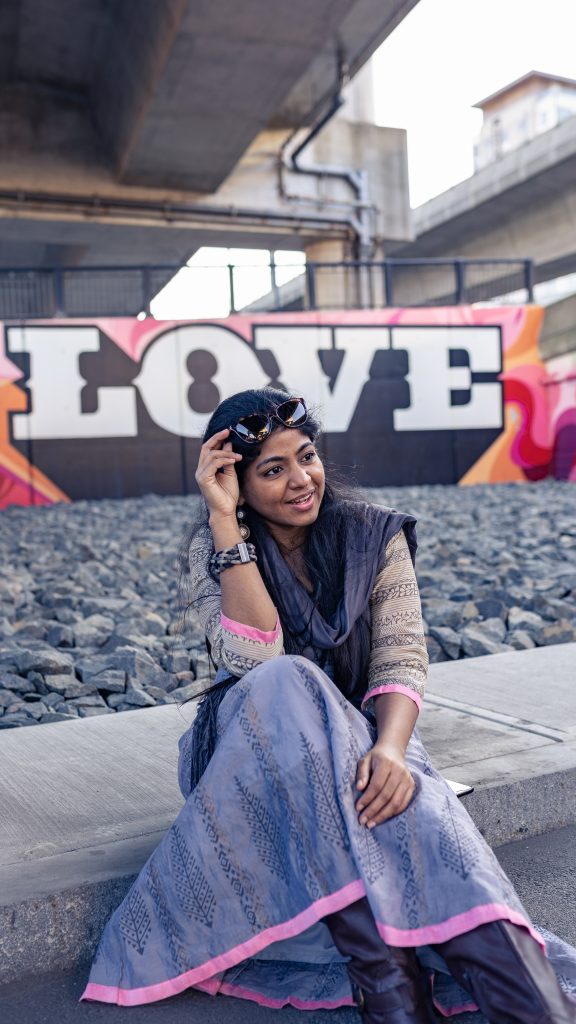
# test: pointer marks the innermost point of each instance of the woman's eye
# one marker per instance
(272, 471)
(309, 456)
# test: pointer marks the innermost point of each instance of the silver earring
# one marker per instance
(244, 529)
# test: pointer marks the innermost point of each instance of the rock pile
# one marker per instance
(91, 624)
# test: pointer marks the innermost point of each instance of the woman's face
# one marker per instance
(285, 484)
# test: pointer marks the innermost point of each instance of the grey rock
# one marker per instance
(184, 693)
(51, 699)
(66, 616)
(60, 635)
(154, 624)
(562, 632)
(103, 606)
(47, 662)
(520, 640)
(138, 696)
(520, 618)
(491, 608)
(35, 629)
(185, 678)
(440, 612)
(9, 698)
(87, 636)
(448, 639)
(114, 700)
(10, 681)
(493, 628)
(69, 687)
(92, 666)
(13, 721)
(477, 642)
(9, 661)
(103, 623)
(177, 661)
(435, 652)
(161, 696)
(65, 708)
(38, 681)
(57, 716)
(112, 680)
(470, 612)
(162, 681)
(137, 664)
(88, 700)
(549, 607)
(37, 710)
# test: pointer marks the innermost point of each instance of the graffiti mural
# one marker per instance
(116, 407)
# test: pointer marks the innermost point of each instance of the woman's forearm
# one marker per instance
(244, 595)
(396, 717)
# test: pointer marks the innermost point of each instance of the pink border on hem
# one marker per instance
(250, 632)
(162, 989)
(201, 977)
(457, 925)
(394, 688)
(277, 1004)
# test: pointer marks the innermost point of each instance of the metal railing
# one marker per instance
(175, 292)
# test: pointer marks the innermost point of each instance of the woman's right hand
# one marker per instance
(220, 490)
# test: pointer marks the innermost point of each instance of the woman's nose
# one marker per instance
(299, 476)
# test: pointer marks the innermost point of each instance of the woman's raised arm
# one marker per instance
(246, 607)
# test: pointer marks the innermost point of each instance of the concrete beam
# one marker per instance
(202, 82)
(167, 104)
(522, 206)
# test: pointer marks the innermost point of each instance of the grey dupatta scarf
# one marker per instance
(369, 528)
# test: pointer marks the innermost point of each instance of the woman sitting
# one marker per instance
(319, 857)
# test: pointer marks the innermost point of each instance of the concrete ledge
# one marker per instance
(86, 802)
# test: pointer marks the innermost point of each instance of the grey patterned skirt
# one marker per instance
(268, 843)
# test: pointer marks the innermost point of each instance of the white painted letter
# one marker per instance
(164, 380)
(431, 378)
(296, 351)
(55, 385)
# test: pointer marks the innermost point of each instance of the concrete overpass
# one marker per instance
(137, 131)
(521, 206)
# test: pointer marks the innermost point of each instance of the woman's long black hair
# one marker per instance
(326, 540)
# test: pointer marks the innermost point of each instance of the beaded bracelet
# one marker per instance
(240, 554)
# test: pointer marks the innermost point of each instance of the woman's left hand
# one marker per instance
(385, 782)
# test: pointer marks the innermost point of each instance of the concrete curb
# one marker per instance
(58, 929)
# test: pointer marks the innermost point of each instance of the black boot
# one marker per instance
(387, 982)
(508, 976)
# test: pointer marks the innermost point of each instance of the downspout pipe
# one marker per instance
(356, 180)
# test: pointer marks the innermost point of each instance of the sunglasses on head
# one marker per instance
(255, 428)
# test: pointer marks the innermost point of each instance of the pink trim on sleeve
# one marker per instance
(250, 632)
(394, 688)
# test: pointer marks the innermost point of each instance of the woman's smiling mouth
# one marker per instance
(304, 501)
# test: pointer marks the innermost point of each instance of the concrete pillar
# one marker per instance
(333, 287)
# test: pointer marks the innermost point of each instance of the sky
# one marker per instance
(446, 56)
